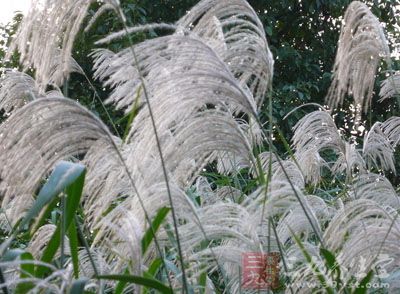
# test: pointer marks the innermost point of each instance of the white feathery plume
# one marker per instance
(204, 190)
(228, 256)
(229, 163)
(106, 182)
(155, 198)
(136, 29)
(375, 187)
(119, 235)
(107, 205)
(85, 263)
(392, 280)
(116, 71)
(390, 87)
(172, 67)
(362, 43)
(311, 165)
(375, 249)
(355, 215)
(194, 96)
(213, 34)
(237, 226)
(265, 159)
(227, 192)
(40, 240)
(203, 187)
(242, 230)
(54, 76)
(238, 230)
(313, 133)
(189, 137)
(391, 128)
(234, 31)
(34, 138)
(280, 197)
(255, 132)
(289, 171)
(190, 147)
(349, 162)
(280, 171)
(317, 131)
(361, 233)
(295, 220)
(107, 5)
(58, 281)
(120, 231)
(5, 224)
(58, 23)
(221, 194)
(377, 150)
(87, 258)
(301, 273)
(16, 89)
(229, 223)
(221, 221)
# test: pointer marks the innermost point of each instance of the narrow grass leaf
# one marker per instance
(119, 289)
(155, 265)
(73, 242)
(315, 268)
(155, 225)
(3, 281)
(202, 282)
(64, 174)
(362, 287)
(132, 113)
(74, 192)
(147, 282)
(78, 286)
(331, 264)
(27, 271)
(151, 272)
(49, 212)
